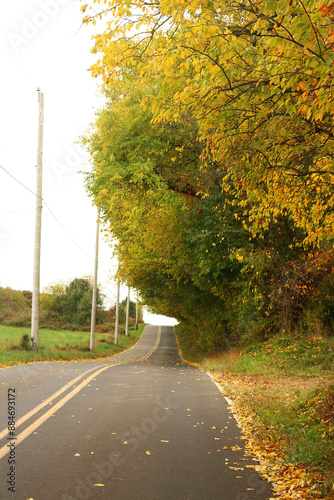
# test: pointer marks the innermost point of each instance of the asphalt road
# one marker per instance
(139, 425)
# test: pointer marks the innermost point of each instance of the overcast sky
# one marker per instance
(42, 45)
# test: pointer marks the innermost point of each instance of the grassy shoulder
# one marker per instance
(60, 345)
(282, 391)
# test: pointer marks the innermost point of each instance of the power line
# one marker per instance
(66, 232)
(47, 206)
(25, 187)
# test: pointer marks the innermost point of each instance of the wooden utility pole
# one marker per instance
(93, 317)
(137, 313)
(117, 313)
(127, 313)
(38, 228)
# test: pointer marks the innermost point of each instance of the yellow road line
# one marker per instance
(31, 428)
(32, 412)
(153, 348)
(5, 449)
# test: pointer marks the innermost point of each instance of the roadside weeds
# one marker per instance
(282, 395)
(245, 396)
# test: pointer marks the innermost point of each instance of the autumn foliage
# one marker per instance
(213, 160)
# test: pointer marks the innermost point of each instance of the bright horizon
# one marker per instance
(42, 45)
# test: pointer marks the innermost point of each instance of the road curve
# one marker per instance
(139, 425)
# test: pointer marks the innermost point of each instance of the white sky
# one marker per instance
(42, 46)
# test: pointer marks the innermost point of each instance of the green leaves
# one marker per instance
(213, 160)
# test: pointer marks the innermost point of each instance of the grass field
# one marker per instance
(60, 345)
(283, 393)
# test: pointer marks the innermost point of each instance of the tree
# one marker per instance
(132, 307)
(258, 77)
(53, 300)
(71, 302)
(15, 307)
(150, 193)
(213, 163)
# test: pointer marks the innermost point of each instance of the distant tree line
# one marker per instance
(61, 304)
(72, 302)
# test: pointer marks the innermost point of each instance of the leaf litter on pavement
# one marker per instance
(291, 481)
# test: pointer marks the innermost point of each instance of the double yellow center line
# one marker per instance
(153, 348)
(37, 423)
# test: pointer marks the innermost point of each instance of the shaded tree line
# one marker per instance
(213, 163)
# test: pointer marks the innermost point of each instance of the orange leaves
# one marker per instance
(327, 8)
(264, 114)
(252, 397)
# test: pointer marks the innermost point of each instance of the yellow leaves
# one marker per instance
(290, 480)
(148, 453)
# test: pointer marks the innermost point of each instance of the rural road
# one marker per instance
(138, 426)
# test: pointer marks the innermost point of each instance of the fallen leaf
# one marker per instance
(164, 441)
(213, 428)
(77, 455)
(148, 452)
(99, 484)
